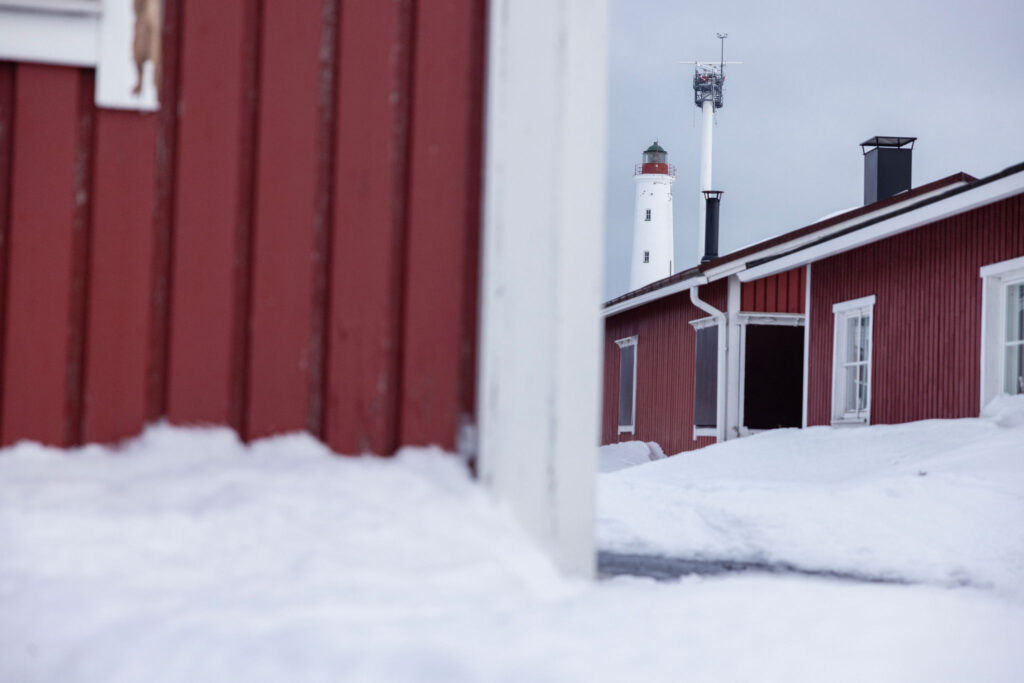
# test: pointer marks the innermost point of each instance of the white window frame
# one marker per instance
(699, 324)
(841, 312)
(744, 319)
(62, 32)
(622, 344)
(996, 279)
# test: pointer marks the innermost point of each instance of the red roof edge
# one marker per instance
(960, 177)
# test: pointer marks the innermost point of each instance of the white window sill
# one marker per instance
(626, 430)
(50, 32)
(850, 422)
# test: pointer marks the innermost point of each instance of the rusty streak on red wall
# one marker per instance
(665, 369)
(443, 212)
(7, 75)
(780, 293)
(285, 219)
(368, 235)
(927, 314)
(48, 229)
(210, 265)
(158, 347)
(120, 275)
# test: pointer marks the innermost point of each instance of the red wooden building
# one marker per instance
(291, 242)
(909, 307)
(318, 229)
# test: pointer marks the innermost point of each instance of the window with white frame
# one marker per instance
(1013, 339)
(627, 384)
(1002, 331)
(851, 360)
(705, 376)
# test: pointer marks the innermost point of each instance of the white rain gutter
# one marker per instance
(723, 332)
(654, 295)
(931, 212)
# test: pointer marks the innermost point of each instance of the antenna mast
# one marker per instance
(708, 89)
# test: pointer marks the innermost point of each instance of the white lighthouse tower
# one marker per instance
(653, 243)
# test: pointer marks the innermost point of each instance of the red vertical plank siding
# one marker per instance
(159, 323)
(284, 219)
(290, 242)
(367, 246)
(210, 261)
(7, 70)
(781, 293)
(443, 220)
(666, 350)
(120, 275)
(48, 242)
(747, 296)
(927, 315)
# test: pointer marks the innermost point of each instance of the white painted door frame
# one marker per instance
(541, 331)
(743, 320)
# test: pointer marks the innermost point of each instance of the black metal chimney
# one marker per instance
(714, 200)
(886, 166)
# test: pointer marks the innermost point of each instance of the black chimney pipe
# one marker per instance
(887, 166)
(714, 199)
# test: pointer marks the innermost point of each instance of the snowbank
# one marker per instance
(184, 556)
(939, 501)
(618, 456)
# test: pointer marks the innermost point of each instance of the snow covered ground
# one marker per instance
(185, 556)
(938, 501)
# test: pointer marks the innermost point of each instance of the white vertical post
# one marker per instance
(707, 121)
(732, 392)
(541, 332)
(807, 344)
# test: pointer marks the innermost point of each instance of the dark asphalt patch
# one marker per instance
(663, 568)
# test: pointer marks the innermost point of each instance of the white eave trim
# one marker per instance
(64, 32)
(930, 213)
(654, 295)
(734, 267)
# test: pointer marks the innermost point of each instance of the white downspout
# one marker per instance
(720, 320)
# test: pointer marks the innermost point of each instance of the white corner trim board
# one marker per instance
(541, 331)
(807, 343)
(62, 32)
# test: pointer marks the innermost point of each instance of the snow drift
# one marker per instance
(937, 501)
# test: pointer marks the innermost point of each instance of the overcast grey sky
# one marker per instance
(817, 79)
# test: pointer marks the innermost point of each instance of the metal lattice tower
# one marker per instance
(709, 79)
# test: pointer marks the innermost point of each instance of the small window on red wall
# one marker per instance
(851, 361)
(627, 384)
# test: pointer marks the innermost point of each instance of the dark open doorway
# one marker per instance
(773, 376)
